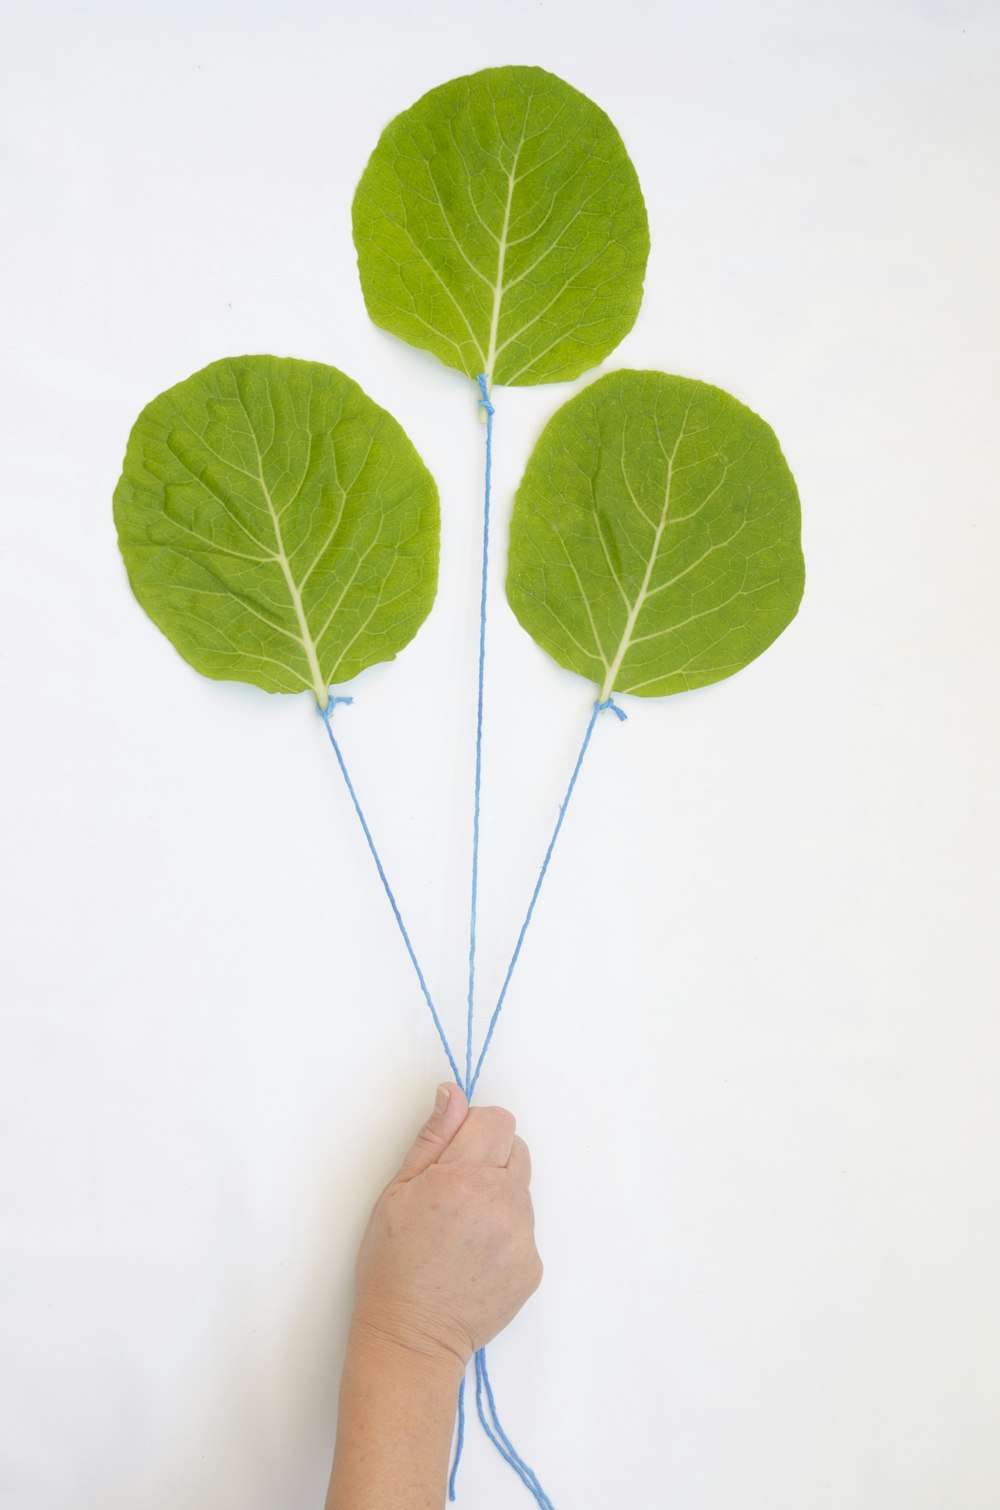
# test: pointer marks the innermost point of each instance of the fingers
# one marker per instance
(519, 1163)
(438, 1133)
(485, 1137)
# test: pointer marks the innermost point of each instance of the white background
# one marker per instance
(753, 1039)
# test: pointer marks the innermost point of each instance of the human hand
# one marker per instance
(449, 1256)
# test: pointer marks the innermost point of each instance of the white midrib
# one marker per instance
(498, 289)
(320, 688)
(633, 617)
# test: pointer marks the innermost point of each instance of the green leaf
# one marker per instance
(654, 544)
(277, 525)
(500, 225)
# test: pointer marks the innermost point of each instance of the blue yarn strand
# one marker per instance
(459, 1441)
(598, 709)
(499, 1437)
(327, 714)
(487, 407)
(509, 1456)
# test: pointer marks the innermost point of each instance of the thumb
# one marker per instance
(450, 1111)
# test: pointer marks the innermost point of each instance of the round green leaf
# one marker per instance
(277, 525)
(654, 544)
(500, 225)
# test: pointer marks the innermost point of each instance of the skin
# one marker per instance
(447, 1260)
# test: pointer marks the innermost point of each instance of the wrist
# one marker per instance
(398, 1397)
(406, 1344)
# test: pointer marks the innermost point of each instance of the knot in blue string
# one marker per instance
(331, 704)
(610, 703)
(484, 402)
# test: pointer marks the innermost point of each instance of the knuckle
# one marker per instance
(502, 1121)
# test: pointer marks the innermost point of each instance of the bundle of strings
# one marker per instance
(485, 1399)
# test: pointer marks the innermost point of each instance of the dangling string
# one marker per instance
(327, 714)
(499, 1437)
(598, 709)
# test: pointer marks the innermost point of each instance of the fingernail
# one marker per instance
(441, 1100)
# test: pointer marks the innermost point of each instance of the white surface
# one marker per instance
(753, 1039)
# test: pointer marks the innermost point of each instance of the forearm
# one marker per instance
(394, 1427)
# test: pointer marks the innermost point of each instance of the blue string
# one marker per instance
(598, 709)
(507, 1452)
(484, 403)
(527, 1475)
(326, 714)
(460, 1441)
